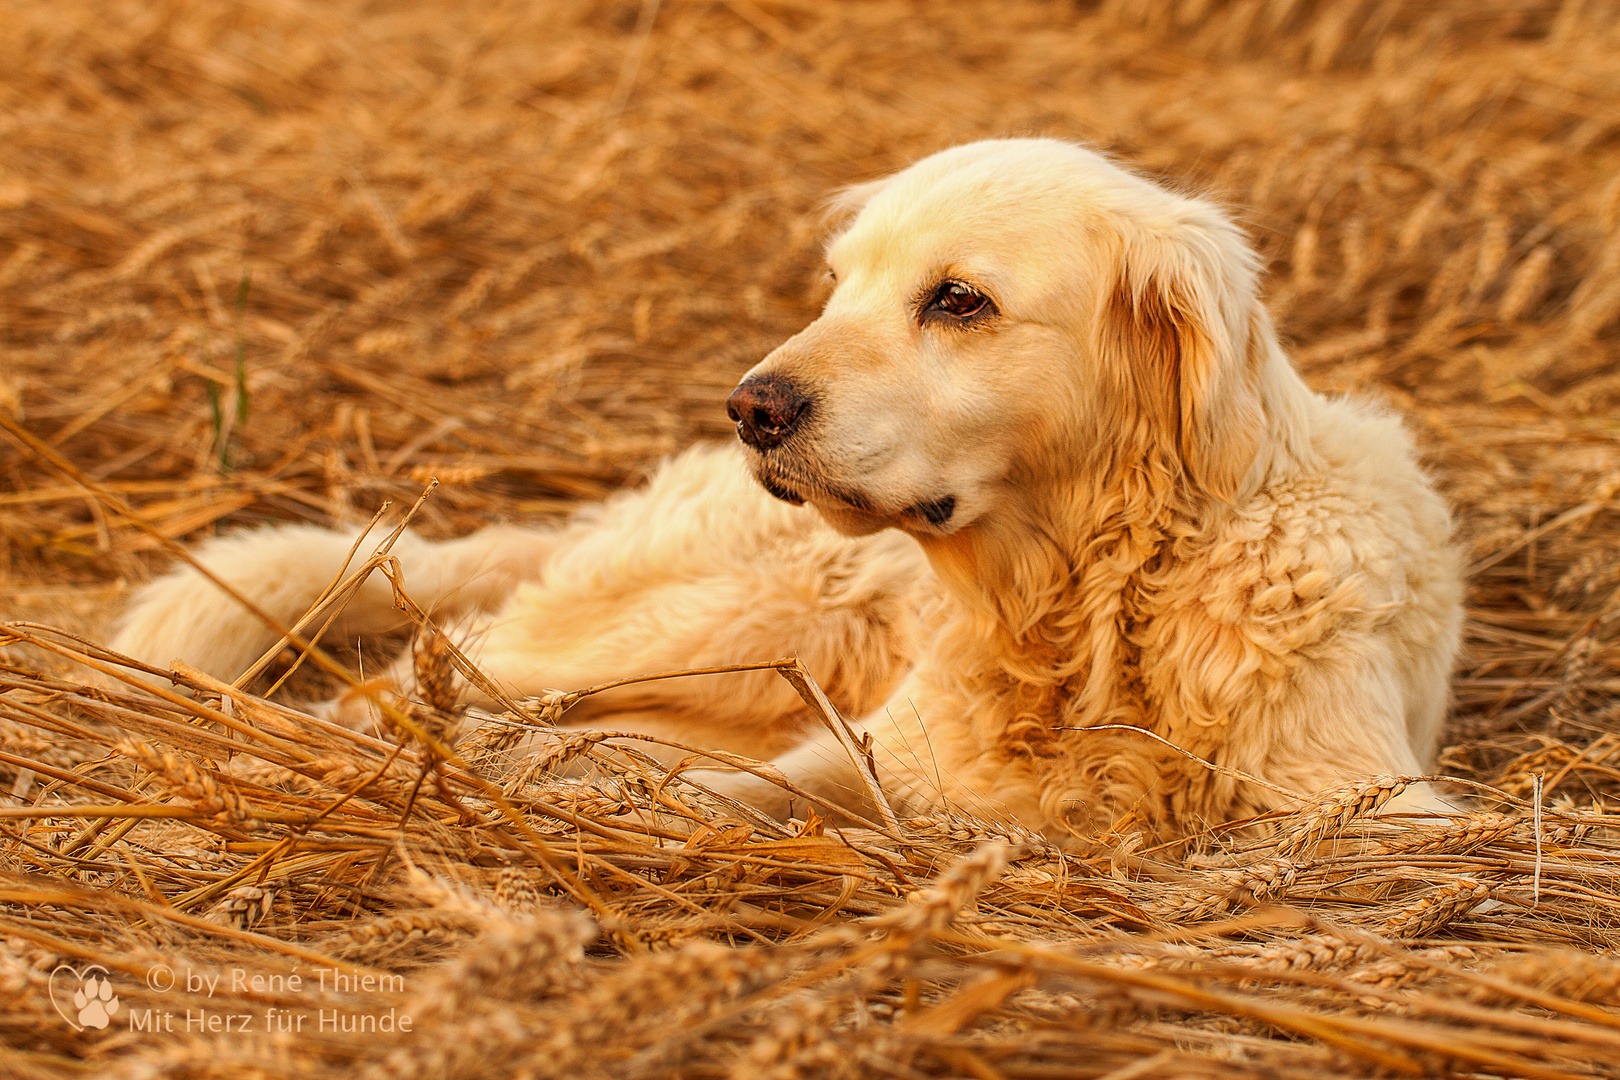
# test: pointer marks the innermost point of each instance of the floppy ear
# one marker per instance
(846, 202)
(1183, 334)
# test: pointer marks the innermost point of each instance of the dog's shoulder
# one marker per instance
(1342, 542)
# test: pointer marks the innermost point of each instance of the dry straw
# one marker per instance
(271, 262)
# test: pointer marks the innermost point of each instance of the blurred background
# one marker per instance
(281, 260)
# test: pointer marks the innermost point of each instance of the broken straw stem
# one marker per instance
(799, 678)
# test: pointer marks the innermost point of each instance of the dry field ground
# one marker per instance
(274, 260)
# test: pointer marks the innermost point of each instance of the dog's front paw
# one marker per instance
(761, 794)
(357, 708)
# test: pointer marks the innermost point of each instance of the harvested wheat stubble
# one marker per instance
(287, 261)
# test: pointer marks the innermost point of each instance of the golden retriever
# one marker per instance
(1147, 578)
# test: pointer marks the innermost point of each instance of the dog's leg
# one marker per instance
(818, 767)
(922, 769)
(1343, 725)
(283, 571)
(554, 636)
(582, 624)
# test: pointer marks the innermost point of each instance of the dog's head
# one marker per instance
(1007, 313)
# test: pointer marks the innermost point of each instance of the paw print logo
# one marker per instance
(92, 1003)
(96, 1002)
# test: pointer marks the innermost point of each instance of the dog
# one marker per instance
(1098, 559)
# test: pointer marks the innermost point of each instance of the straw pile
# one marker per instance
(272, 261)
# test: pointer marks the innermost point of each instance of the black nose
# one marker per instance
(767, 410)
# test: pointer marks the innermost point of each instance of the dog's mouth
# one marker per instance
(792, 487)
(936, 512)
(797, 490)
(780, 490)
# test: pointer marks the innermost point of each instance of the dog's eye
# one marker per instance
(959, 300)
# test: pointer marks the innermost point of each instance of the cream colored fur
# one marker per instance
(700, 568)
(1157, 537)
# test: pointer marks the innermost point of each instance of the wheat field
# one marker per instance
(270, 260)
